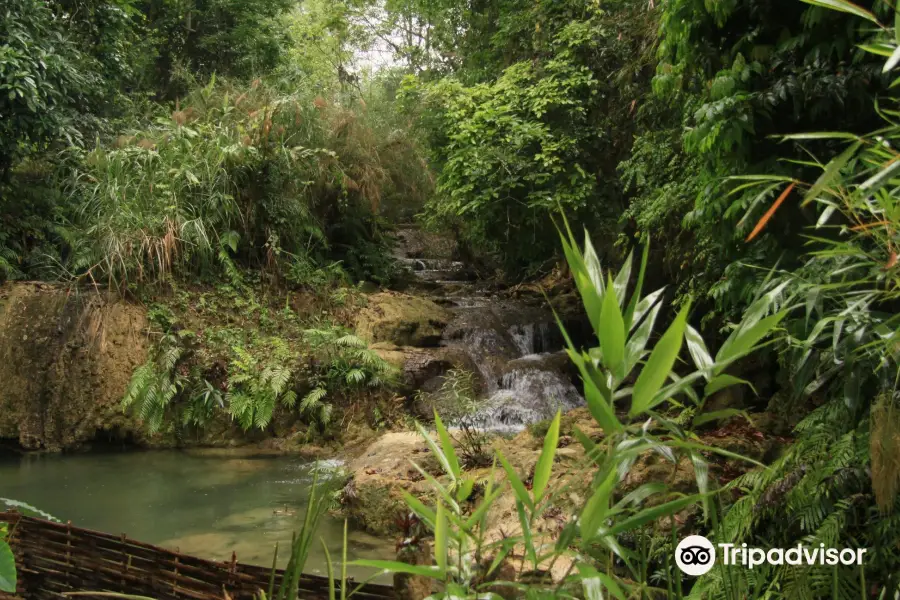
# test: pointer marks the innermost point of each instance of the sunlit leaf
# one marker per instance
(545, 463)
(658, 366)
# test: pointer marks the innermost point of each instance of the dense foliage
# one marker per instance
(216, 159)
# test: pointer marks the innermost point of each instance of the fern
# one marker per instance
(257, 385)
(155, 384)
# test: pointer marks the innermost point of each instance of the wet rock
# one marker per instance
(402, 320)
(423, 368)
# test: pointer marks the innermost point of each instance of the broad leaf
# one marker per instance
(545, 463)
(658, 366)
(597, 506)
(447, 445)
(697, 348)
(612, 334)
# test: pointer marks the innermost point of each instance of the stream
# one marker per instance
(201, 505)
(515, 345)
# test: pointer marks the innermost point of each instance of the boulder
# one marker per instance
(402, 320)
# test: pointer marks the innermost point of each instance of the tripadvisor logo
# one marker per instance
(696, 555)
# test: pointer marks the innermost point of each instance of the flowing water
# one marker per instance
(515, 346)
(201, 505)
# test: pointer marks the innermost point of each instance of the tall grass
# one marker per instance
(234, 173)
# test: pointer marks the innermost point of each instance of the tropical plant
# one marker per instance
(594, 542)
(157, 382)
(257, 385)
(340, 364)
(837, 484)
(458, 403)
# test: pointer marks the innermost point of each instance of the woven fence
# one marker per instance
(55, 558)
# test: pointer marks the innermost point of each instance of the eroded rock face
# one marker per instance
(402, 320)
(66, 357)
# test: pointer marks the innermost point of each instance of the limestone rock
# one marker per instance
(402, 320)
(66, 357)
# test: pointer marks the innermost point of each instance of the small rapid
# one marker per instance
(514, 345)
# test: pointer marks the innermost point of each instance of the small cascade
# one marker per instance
(536, 338)
(514, 346)
(526, 396)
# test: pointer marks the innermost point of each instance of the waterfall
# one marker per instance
(513, 346)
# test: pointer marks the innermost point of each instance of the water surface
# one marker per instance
(201, 505)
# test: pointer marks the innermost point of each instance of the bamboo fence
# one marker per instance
(55, 558)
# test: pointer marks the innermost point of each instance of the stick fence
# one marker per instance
(55, 558)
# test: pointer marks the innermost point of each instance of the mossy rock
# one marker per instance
(402, 320)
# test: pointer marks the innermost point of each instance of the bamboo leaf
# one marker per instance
(544, 465)
(881, 178)
(597, 506)
(612, 335)
(831, 172)
(516, 482)
(651, 514)
(720, 382)
(592, 580)
(725, 413)
(658, 366)
(447, 446)
(441, 541)
(844, 6)
(427, 515)
(394, 566)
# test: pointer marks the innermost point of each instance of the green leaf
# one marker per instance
(545, 463)
(427, 515)
(7, 569)
(697, 348)
(892, 61)
(516, 482)
(659, 365)
(652, 514)
(634, 350)
(725, 413)
(723, 381)
(445, 462)
(597, 506)
(441, 541)
(844, 6)
(590, 294)
(831, 172)
(817, 135)
(620, 285)
(881, 178)
(592, 580)
(638, 288)
(746, 340)
(612, 334)
(394, 566)
(447, 445)
(645, 305)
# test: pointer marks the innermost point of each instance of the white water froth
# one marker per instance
(527, 395)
